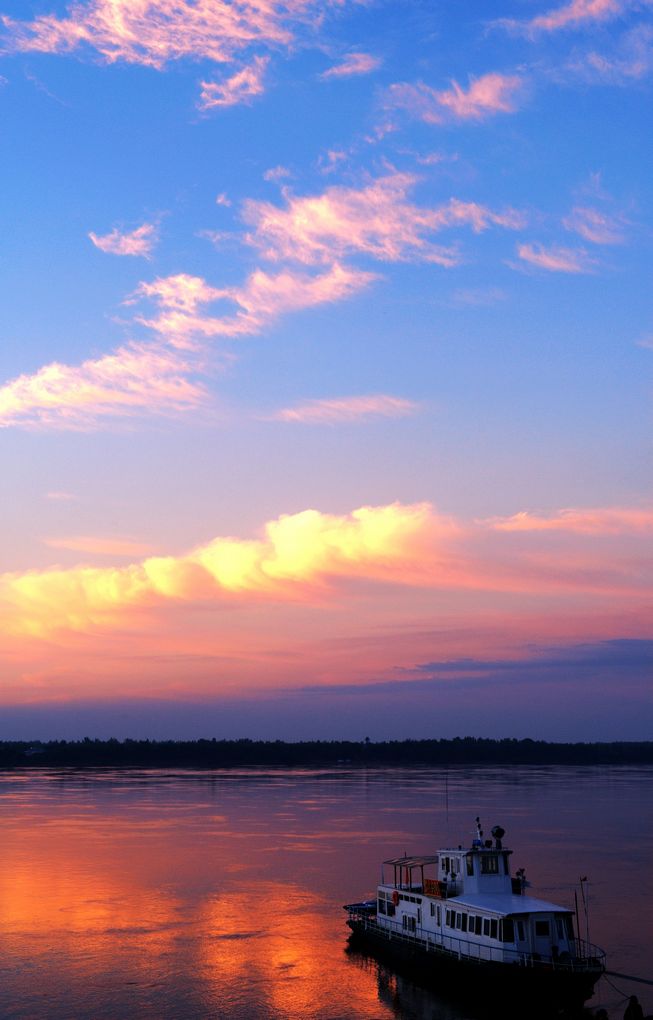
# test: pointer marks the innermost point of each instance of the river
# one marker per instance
(181, 895)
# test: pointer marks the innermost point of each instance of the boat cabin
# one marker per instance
(464, 899)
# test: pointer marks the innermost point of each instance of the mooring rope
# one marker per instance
(629, 977)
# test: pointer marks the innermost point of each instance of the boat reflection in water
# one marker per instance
(406, 997)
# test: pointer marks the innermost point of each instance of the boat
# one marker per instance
(463, 922)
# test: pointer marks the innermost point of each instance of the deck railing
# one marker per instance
(587, 957)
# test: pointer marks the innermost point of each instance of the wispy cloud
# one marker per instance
(134, 380)
(629, 58)
(576, 14)
(140, 241)
(377, 220)
(338, 410)
(183, 323)
(154, 32)
(555, 258)
(353, 64)
(594, 225)
(164, 376)
(276, 173)
(484, 97)
(100, 545)
(597, 521)
(241, 87)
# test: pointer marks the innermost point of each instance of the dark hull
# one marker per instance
(530, 990)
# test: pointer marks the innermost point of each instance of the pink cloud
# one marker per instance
(599, 521)
(347, 409)
(137, 242)
(276, 173)
(594, 225)
(377, 220)
(242, 87)
(488, 95)
(629, 59)
(154, 32)
(261, 299)
(572, 15)
(353, 64)
(556, 259)
(135, 379)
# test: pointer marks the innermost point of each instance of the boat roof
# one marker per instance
(413, 862)
(499, 903)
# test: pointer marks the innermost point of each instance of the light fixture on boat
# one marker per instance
(498, 834)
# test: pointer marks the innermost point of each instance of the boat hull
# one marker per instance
(528, 989)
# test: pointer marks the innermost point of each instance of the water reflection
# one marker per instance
(191, 895)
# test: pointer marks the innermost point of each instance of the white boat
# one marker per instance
(463, 921)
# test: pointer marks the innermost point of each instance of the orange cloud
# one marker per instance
(347, 409)
(353, 64)
(295, 552)
(240, 88)
(485, 96)
(135, 379)
(599, 521)
(154, 32)
(594, 225)
(138, 242)
(555, 258)
(377, 220)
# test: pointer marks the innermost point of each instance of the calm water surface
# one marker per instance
(179, 895)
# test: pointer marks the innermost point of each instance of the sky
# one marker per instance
(326, 382)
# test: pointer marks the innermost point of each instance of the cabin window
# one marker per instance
(445, 865)
(520, 931)
(561, 928)
(409, 922)
(433, 910)
(391, 910)
(570, 927)
(479, 925)
(459, 921)
(463, 919)
(490, 864)
(542, 929)
(470, 864)
(486, 926)
(507, 930)
(438, 917)
(419, 915)
(494, 928)
(381, 906)
(471, 923)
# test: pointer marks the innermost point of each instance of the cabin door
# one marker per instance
(541, 936)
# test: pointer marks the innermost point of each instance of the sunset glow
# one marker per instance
(327, 381)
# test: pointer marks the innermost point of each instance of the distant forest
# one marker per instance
(245, 753)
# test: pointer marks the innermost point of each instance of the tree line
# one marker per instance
(246, 753)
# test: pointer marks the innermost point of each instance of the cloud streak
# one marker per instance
(484, 97)
(155, 32)
(342, 410)
(576, 14)
(353, 64)
(140, 241)
(376, 220)
(241, 87)
(556, 258)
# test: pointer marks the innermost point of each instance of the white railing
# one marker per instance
(587, 957)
